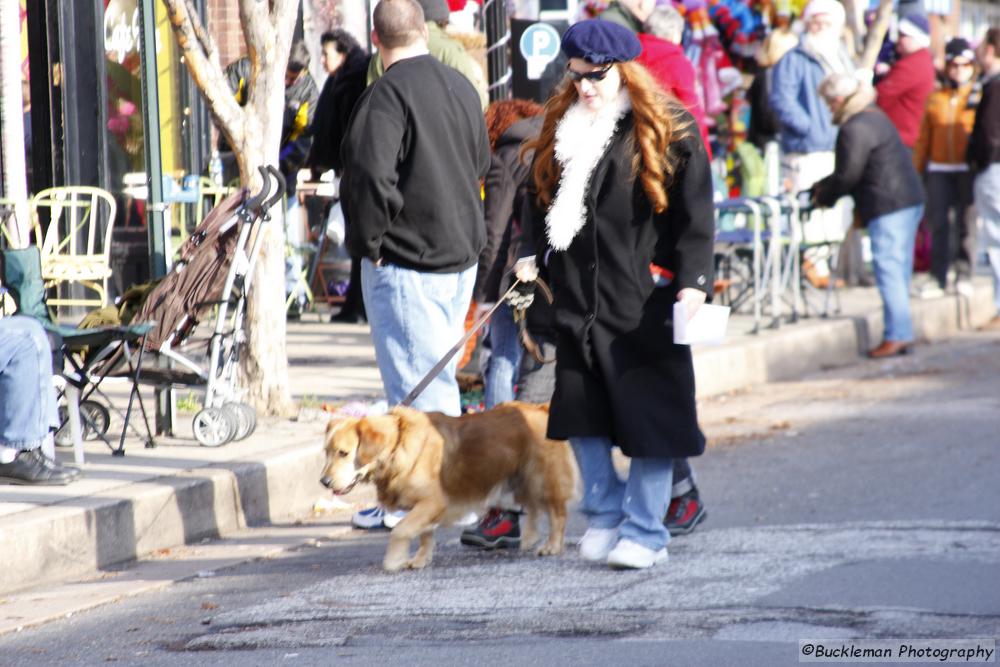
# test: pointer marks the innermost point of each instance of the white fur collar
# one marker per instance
(582, 138)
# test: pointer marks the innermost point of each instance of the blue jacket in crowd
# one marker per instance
(803, 117)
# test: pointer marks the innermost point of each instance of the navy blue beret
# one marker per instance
(600, 42)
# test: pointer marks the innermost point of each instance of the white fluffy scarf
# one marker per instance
(582, 137)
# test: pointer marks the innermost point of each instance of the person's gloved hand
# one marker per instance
(526, 270)
(522, 296)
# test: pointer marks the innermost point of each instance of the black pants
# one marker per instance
(953, 231)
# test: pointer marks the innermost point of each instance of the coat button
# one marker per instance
(593, 266)
(701, 280)
(590, 317)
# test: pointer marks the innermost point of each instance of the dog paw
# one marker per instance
(549, 550)
(416, 563)
(395, 565)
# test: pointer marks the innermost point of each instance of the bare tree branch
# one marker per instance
(206, 72)
(204, 38)
(876, 35)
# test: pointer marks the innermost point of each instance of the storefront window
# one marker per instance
(126, 152)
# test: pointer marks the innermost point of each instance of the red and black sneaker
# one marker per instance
(685, 512)
(499, 529)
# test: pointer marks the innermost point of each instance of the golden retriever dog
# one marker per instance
(439, 468)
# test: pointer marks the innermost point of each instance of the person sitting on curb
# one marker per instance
(27, 406)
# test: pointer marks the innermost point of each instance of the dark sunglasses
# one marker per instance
(596, 75)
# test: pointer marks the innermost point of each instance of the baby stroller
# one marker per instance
(211, 279)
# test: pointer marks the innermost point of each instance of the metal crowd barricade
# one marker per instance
(774, 267)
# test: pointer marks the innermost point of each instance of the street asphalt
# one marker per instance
(856, 503)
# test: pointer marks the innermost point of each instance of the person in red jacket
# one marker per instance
(663, 56)
(903, 93)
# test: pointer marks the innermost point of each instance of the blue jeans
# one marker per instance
(505, 357)
(415, 319)
(27, 397)
(892, 236)
(636, 506)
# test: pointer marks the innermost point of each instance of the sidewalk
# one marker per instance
(130, 507)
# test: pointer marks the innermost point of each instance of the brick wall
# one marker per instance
(223, 18)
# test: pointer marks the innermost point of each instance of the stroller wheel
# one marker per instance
(252, 414)
(239, 414)
(214, 427)
(94, 422)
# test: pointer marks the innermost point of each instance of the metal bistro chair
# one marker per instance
(76, 245)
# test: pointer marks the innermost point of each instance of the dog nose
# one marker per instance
(326, 481)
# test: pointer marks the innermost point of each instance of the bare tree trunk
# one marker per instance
(254, 132)
(875, 36)
(15, 175)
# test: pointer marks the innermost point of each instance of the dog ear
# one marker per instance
(413, 433)
(375, 435)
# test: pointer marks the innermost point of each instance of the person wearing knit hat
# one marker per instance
(903, 92)
(620, 211)
(443, 47)
(939, 155)
(806, 131)
(435, 10)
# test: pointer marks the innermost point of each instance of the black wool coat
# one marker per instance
(618, 372)
(505, 185)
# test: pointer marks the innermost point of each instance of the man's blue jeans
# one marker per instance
(892, 236)
(27, 398)
(636, 506)
(415, 319)
(505, 357)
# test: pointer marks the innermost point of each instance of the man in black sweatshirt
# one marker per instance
(414, 154)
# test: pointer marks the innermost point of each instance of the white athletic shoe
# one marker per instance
(470, 519)
(629, 555)
(392, 518)
(369, 519)
(376, 517)
(596, 543)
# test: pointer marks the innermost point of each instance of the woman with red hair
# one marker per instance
(620, 209)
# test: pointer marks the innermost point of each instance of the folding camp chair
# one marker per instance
(89, 355)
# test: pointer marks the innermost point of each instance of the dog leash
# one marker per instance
(439, 366)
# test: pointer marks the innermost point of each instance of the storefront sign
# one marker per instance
(121, 30)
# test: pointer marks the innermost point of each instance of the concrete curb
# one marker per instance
(80, 536)
(793, 351)
(86, 534)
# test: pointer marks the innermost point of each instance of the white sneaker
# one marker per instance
(470, 519)
(930, 290)
(633, 556)
(964, 288)
(369, 519)
(391, 519)
(376, 517)
(596, 543)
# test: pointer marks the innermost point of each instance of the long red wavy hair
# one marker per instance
(500, 115)
(658, 123)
